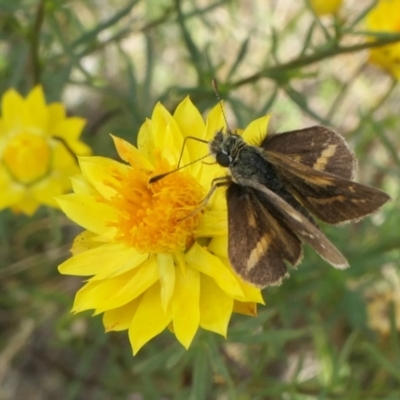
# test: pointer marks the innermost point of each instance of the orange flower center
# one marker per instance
(157, 217)
(27, 157)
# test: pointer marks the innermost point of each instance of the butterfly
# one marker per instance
(275, 190)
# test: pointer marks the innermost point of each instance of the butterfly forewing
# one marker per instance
(317, 147)
(258, 242)
(330, 198)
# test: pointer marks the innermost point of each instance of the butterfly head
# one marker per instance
(225, 147)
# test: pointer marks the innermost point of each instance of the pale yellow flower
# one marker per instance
(381, 296)
(36, 141)
(385, 17)
(325, 7)
(155, 256)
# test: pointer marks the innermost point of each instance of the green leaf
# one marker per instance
(239, 58)
(201, 374)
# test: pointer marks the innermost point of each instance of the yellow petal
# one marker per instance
(256, 131)
(325, 7)
(105, 261)
(103, 174)
(189, 119)
(131, 154)
(27, 205)
(63, 163)
(218, 202)
(245, 308)
(200, 259)
(145, 141)
(12, 104)
(149, 319)
(384, 16)
(190, 123)
(219, 246)
(179, 260)
(84, 242)
(56, 113)
(45, 190)
(213, 223)
(215, 122)
(208, 172)
(85, 297)
(96, 294)
(81, 186)
(250, 292)
(166, 270)
(11, 193)
(159, 121)
(87, 212)
(69, 129)
(215, 307)
(119, 319)
(168, 137)
(11, 198)
(185, 305)
(386, 57)
(144, 277)
(36, 118)
(5, 179)
(173, 146)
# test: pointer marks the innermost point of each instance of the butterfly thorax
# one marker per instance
(243, 161)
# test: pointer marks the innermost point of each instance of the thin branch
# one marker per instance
(34, 42)
(336, 49)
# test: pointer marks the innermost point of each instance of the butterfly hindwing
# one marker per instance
(258, 243)
(300, 225)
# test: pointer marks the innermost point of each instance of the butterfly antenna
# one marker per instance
(156, 178)
(216, 91)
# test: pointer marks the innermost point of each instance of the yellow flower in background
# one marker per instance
(325, 7)
(35, 166)
(381, 296)
(385, 17)
(155, 257)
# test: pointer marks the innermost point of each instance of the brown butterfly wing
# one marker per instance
(317, 147)
(258, 242)
(330, 198)
(298, 224)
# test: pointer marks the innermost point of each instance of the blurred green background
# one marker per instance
(324, 334)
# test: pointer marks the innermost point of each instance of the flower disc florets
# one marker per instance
(160, 216)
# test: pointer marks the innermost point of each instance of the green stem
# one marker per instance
(343, 91)
(367, 117)
(332, 51)
(35, 40)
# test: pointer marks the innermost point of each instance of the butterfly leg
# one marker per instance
(184, 144)
(215, 184)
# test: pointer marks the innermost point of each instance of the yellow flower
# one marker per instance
(35, 166)
(156, 258)
(385, 17)
(325, 7)
(380, 297)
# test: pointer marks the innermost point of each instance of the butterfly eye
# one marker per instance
(223, 159)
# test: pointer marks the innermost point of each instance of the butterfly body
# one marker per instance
(275, 188)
